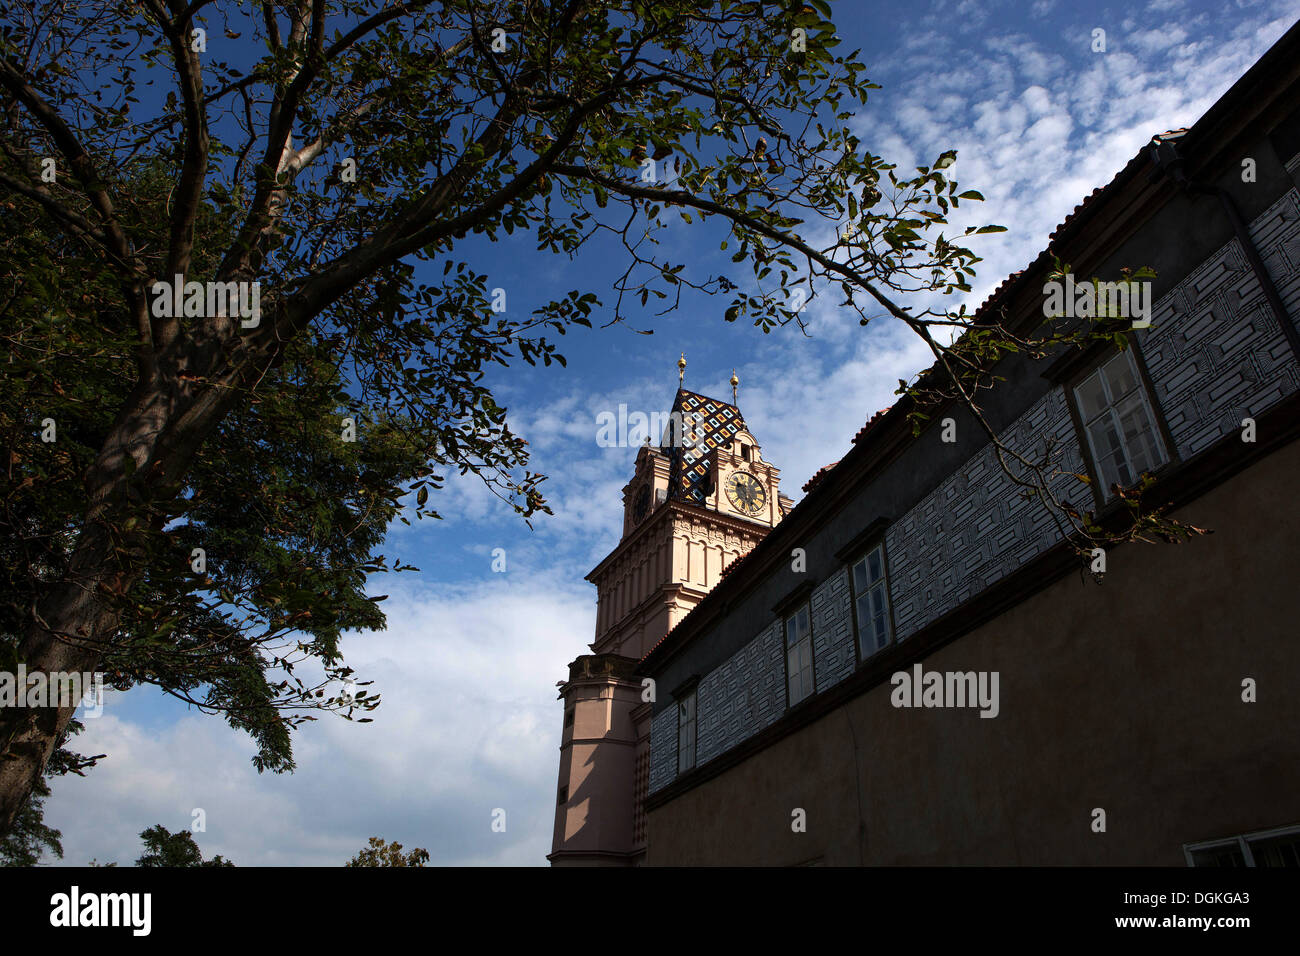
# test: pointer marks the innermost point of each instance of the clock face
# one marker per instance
(745, 493)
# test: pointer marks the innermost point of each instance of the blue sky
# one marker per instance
(468, 664)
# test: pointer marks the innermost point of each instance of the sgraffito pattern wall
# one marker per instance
(834, 650)
(742, 696)
(663, 748)
(1215, 355)
(1293, 167)
(1277, 237)
(732, 703)
(1215, 352)
(975, 528)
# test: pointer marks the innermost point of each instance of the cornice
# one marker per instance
(673, 506)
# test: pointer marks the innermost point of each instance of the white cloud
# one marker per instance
(469, 722)
(1037, 131)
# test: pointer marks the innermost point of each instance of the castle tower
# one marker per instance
(697, 501)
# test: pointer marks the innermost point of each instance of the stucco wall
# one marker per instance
(1215, 354)
(1124, 696)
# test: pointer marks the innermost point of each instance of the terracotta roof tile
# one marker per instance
(816, 479)
(1137, 160)
(736, 562)
(862, 432)
(1141, 157)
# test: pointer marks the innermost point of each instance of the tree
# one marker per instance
(286, 577)
(164, 848)
(379, 853)
(282, 558)
(30, 838)
(331, 179)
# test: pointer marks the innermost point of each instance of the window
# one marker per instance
(871, 597)
(563, 795)
(798, 655)
(686, 732)
(568, 717)
(1281, 850)
(1266, 848)
(1219, 855)
(1119, 423)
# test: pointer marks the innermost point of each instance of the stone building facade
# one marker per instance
(1147, 719)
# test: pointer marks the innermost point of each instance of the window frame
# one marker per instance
(1102, 497)
(791, 613)
(1242, 841)
(861, 554)
(694, 723)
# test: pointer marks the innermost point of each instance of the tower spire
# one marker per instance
(681, 369)
(735, 386)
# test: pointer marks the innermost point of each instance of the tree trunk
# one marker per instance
(28, 735)
(159, 430)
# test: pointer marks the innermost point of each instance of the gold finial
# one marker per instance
(681, 368)
(735, 384)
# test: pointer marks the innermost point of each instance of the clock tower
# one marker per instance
(698, 500)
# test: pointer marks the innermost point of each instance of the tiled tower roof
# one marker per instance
(689, 466)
